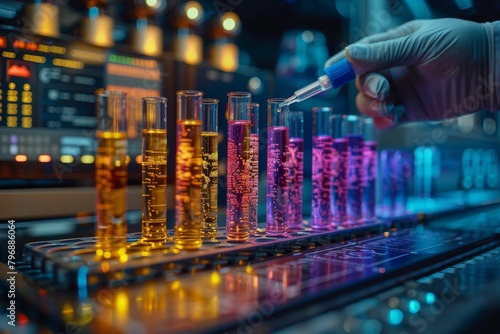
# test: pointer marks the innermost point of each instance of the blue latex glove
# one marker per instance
(425, 70)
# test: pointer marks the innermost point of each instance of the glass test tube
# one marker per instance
(396, 168)
(111, 175)
(295, 169)
(321, 175)
(404, 169)
(253, 216)
(339, 171)
(277, 167)
(369, 170)
(238, 166)
(351, 129)
(188, 178)
(210, 168)
(154, 170)
(387, 183)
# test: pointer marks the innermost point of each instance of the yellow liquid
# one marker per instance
(210, 171)
(188, 179)
(111, 176)
(154, 186)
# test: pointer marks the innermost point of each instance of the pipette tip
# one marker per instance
(288, 101)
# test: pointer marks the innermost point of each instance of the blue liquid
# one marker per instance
(322, 154)
(277, 180)
(396, 170)
(339, 181)
(354, 174)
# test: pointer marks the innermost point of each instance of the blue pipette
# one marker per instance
(335, 76)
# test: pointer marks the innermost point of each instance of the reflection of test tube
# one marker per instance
(238, 166)
(277, 167)
(253, 217)
(188, 170)
(210, 169)
(154, 170)
(369, 171)
(295, 169)
(339, 171)
(351, 129)
(321, 168)
(111, 175)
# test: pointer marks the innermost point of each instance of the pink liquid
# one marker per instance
(339, 181)
(277, 180)
(238, 180)
(369, 178)
(322, 154)
(254, 183)
(296, 182)
(354, 174)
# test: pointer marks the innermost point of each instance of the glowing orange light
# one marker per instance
(138, 159)
(44, 158)
(21, 158)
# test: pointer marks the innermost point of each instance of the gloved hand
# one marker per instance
(425, 70)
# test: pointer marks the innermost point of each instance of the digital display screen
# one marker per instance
(48, 102)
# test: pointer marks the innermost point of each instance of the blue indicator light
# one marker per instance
(395, 317)
(430, 298)
(413, 306)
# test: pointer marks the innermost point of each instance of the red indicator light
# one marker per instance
(18, 71)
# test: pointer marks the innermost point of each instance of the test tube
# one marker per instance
(369, 170)
(238, 166)
(210, 169)
(253, 217)
(321, 175)
(404, 170)
(387, 184)
(339, 171)
(277, 167)
(396, 168)
(351, 129)
(295, 169)
(188, 170)
(111, 175)
(154, 170)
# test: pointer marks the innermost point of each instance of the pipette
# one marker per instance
(335, 76)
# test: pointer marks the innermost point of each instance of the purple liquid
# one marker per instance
(354, 174)
(254, 183)
(277, 180)
(322, 153)
(238, 181)
(296, 182)
(369, 179)
(339, 181)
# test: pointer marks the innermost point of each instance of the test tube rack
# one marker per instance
(72, 263)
